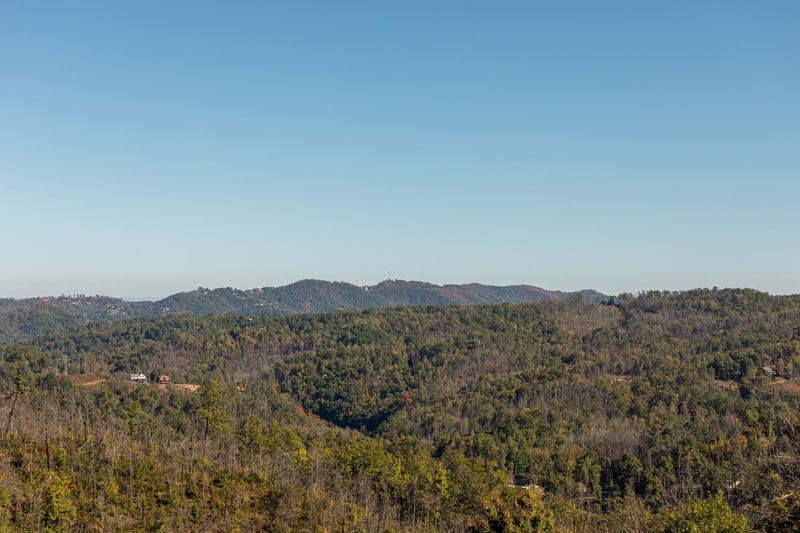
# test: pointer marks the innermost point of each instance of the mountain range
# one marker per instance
(27, 318)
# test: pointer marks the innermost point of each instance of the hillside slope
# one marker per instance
(25, 319)
(649, 415)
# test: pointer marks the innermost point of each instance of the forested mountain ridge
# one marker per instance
(663, 412)
(27, 318)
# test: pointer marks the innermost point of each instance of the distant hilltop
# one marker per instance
(27, 318)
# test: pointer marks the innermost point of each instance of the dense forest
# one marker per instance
(661, 412)
(21, 320)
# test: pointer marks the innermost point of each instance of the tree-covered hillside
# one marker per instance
(662, 412)
(21, 320)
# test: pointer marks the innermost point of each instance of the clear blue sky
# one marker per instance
(148, 148)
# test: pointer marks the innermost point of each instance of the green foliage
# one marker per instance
(210, 408)
(784, 515)
(413, 419)
(59, 509)
(711, 515)
(516, 511)
(21, 320)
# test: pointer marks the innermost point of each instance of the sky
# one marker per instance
(152, 147)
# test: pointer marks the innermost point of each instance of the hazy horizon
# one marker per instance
(151, 148)
(158, 298)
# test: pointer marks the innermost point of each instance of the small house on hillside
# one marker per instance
(163, 380)
(138, 378)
